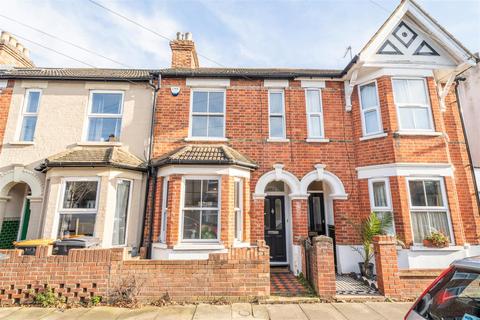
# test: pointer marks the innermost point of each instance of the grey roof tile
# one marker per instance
(76, 74)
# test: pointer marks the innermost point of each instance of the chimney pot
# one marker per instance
(188, 36)
(184, 54)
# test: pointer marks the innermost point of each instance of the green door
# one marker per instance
(26, 219)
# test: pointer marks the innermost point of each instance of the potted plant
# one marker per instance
(369, 228)
(436, 239)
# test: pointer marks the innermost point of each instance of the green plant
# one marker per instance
(48, 299)
(438, 239)
(95, 300)
(368, 229)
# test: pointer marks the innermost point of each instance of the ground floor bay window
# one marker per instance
(428, 208)
(201, 206)
(78, 207)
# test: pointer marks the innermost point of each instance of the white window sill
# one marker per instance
(278, 140)
(199, 246)
(315, 140)
(204, 139)
(99, 144)
(423, 248)
(374, 136)
(419, 133)
(159, 245)
(238, 244)
(22, 143)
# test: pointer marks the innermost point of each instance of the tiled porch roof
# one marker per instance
(109, 156)
(205, 154)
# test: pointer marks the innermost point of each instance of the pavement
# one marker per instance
(236, 311)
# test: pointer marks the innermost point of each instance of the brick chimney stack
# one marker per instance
(184, 54)
(13, 53)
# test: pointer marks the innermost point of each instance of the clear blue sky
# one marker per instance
(311, 34)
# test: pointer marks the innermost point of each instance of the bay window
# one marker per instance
(276, 112)
(428, 208)
(314, 113)
(413, 106)
(30, 114)
(104, 115)
(381, 201)
(78, 207)
(121, 212)
(370, 109)
(208, 114)
(201, 206)
(237, 208)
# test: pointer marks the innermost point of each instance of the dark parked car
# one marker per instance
(454, 295)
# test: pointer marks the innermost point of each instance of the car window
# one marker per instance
(455, 297)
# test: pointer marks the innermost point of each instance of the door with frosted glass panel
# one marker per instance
(275, 228)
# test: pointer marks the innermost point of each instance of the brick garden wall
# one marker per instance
(240, 274)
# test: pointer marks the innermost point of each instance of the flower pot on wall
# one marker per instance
(366, 271)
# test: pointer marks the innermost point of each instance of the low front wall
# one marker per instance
(414, 282)
(241, 274)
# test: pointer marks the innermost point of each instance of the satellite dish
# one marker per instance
(175, 91)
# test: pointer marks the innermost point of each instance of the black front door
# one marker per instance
(316, 217)
(275, 228)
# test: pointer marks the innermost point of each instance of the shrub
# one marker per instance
(49, 299)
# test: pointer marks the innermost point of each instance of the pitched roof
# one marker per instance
(95, 157)
(251, 72)
(76, 74)
(205, 154)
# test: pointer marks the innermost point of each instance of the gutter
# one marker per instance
(151, 171)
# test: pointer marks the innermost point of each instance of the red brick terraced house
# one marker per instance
(241, 155)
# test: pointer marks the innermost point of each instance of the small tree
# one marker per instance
(368, 229)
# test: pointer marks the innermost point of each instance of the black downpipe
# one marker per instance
(150, 171)
(457, 96)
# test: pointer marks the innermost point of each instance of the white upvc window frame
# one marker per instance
(389, 207)
(376, 107)
(318, 114)
(91, 115)
(192, 114)
(283, 115)
(182, 208)
(130, 193)
(163, 223)
(445, 207)
(427, 106)
(239, 209)
(62, 210)
(25, 113)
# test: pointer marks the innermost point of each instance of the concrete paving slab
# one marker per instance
(242, 311)
(145, 313)
(213, 312)
(286, 312)
(176, 312)
(321, 311)
(5, 311)
(390, 310)
(358, 311)
(260, 312)
(66, 314)
(103, 313)
(29, 314)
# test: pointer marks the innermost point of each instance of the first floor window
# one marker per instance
(237, 208)
(208, 114)
(78, 208)
(381, 202)
(121, 212)
(370, 109)
(201, 209)
(314, 113)
(30, 114)
(428, 208)
(276, 107)
(105, 116)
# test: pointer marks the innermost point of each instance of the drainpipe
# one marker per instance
(457, 96)
(151, 172)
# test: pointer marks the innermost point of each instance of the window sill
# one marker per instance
(374, 136)
(278, 140)
(22, 143)
(418, 133)
(239, 244)
(317, 140)
(199, 246)
(204, 139)
(99, 143)
(449, 248)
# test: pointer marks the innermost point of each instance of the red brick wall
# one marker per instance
(5, 99)
(322, 266)
(240, 274)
